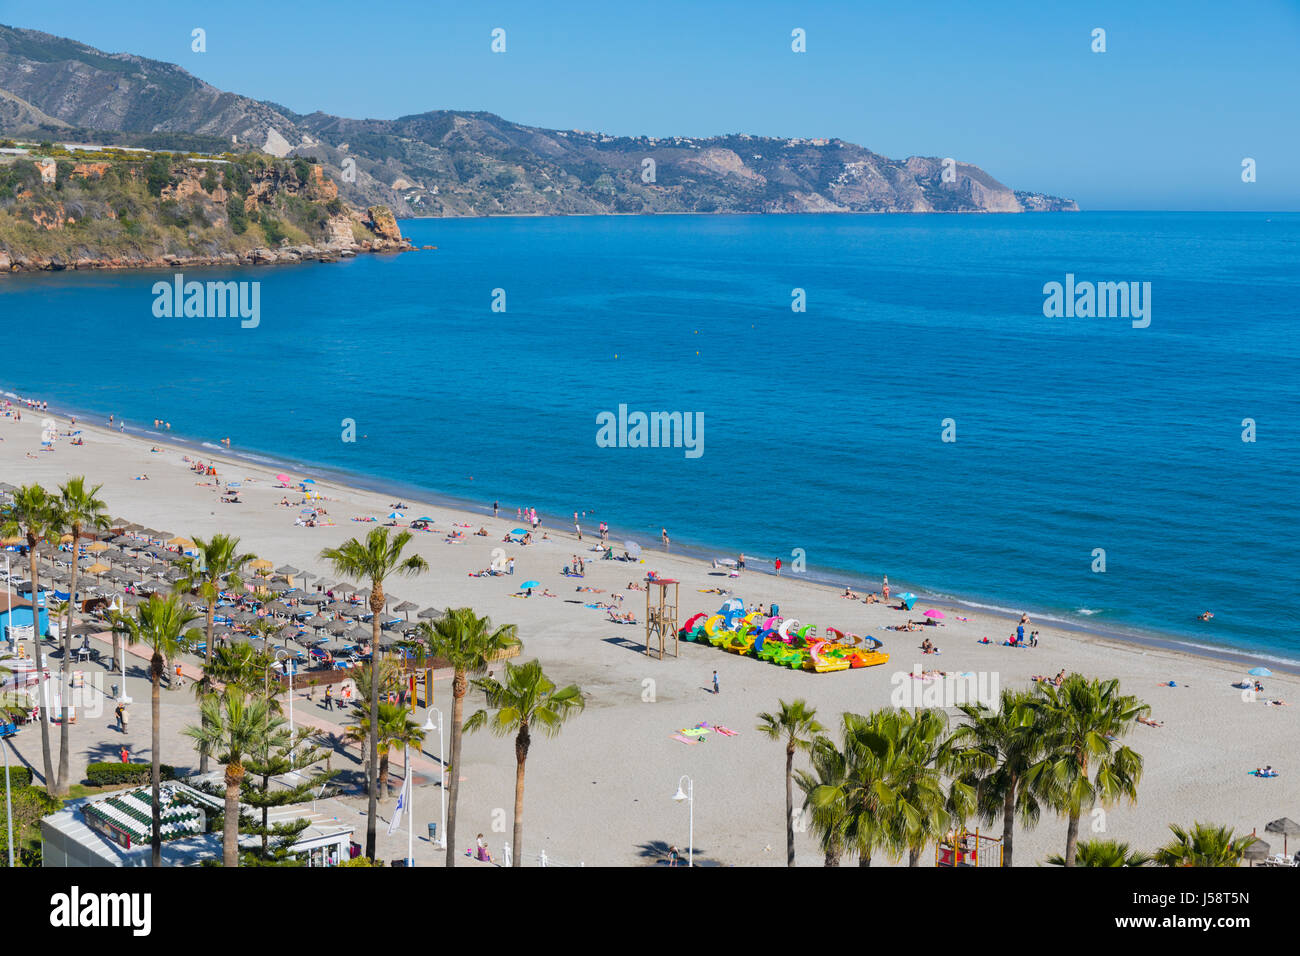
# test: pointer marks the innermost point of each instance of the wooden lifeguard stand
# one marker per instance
(660, 618)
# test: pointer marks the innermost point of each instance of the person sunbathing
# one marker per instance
(1150, 723)
(850, 594)
(1276, 702)
(481, 533)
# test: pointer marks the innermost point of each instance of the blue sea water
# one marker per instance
(822, 429)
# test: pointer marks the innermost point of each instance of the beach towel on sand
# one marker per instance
(685, 740)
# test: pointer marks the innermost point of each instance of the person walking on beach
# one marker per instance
(329, 698)
(496, 507)
(663, 533)
(884, 587)
(778, 567)
(716, 690)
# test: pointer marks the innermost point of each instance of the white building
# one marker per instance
(113, 829)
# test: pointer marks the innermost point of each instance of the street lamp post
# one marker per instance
(288, 669)
(689, 796)
(442, 777)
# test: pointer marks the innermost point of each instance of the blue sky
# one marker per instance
(1161, 120)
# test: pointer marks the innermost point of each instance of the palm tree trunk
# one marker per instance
(230, 834)
(61, 782)
(789, 805)
(212, 610)
(40, 669)
(1072, 838)
(864, 859)
(372, 766)
(155, 667)
(383, 776)
(207, 646)
(1008, 822)
(459, 686)
(521, 755)
(832, 858)
(913, 857)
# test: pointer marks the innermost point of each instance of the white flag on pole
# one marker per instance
(401, 805)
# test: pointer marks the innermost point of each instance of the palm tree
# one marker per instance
(913, 752)
(797, 724)
(80, 509)
(376, 559)
(527, 699)
(996, 750)
(1085, 765)
(468, 643)
(236, 725)
(160, 624)
(34, 515)
(396, 729)
(216, 569)
(1204, 845)
(826, 797)
(1103, 853)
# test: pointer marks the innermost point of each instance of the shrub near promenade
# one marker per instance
(108, 774)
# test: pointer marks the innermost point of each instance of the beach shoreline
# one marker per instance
(1210, 734)
(828, 578)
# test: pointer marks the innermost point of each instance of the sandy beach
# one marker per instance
(600, 792)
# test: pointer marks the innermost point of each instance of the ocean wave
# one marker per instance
(1086, 610)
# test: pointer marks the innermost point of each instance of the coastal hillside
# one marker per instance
(112, 208)
(455, 163)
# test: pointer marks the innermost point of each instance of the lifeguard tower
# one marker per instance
(964, 848)
(660, 618)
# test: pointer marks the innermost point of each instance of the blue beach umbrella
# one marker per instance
(424, 518)
(1260, 672)
(519, 531)
(395, 515)
(908, 599)
(529, 584)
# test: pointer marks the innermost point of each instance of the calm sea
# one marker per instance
(823, 429)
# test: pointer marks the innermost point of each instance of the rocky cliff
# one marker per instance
(123, 211)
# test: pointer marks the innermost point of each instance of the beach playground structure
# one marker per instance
(964, 848)
(661, 617)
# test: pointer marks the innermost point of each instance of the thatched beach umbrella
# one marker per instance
(407, 607)
(287, 569)
(429, 613)
(338, 627)
(1257, 851)
(1285, 826)
(313, 599)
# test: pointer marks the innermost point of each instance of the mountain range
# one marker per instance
(460, 163)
